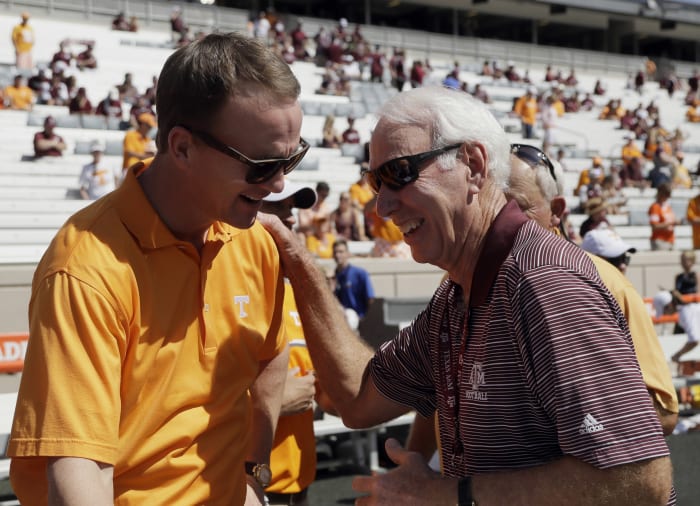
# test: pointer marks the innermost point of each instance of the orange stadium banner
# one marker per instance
(12, 350)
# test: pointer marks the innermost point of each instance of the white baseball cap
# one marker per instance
(304, 195)
(605, 243)
(97, 146)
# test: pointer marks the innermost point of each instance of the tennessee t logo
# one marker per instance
(241, 300)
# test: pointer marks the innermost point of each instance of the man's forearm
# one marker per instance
(266, 399)
(572, 482)
(77, 482)
(339, 356)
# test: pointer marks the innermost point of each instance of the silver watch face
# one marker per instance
(263, 474)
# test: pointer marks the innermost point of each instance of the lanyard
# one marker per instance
(452, 361)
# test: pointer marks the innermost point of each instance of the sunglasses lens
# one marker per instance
(267, 170)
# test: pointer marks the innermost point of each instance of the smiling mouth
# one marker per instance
(410, 226)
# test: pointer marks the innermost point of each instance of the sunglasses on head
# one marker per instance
(261, 170)
(533, 156)
(399, 172)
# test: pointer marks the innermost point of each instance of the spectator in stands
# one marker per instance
(693, 114)
(47, 142)
(481, 94)
(120, 23)
(142, 366)
(549, 118)
(666, 302)
(59, 91)
(127, 90)
(680, 176)
(417, 74)
(111, 106)
(387, 236)
(639, 79)
(133, 24)
(526, 109)
(347, 220)
(661, 171)
(353, 286)
(693, 217)
(18, 95)
(86, 58)
(597, 211)
(320, 209)
(293, 455)
(360, 191)
(455, 216)
(350, 135)
(377, 65)
(397, 69)
(588, 179)
(605, 243)
(23, 41)
(598, 88)
(299, 41)
(330, 136)
(452, 80)
(140, 107)
(662, 219)
(80, 103)
(687, 282)
(321, 239)
(178, 28)
(97, 177)
(610, 193)
(138, 144)
(61, 59)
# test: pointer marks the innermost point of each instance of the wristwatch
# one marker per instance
(261, 473)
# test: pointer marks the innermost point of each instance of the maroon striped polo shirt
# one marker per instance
(548, 366)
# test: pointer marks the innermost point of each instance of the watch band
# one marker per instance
(464, 492)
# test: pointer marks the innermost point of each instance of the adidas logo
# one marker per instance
(589, 425)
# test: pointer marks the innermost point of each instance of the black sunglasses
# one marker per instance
(533, 156)
(262, 170)
(403, 170)
(625, 258)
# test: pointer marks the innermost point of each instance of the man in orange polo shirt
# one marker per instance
(158, 355)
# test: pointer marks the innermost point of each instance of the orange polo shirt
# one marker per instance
(293, 457)
(142, 351)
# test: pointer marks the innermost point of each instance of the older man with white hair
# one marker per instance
(523, 353)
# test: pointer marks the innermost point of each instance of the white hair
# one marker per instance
(452, 116)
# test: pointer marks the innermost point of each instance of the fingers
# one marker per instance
(363, 483)
(395, 451)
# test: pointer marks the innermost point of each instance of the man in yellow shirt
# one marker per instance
(293, 457)
(23, 40)
(138, 145)
(526, 109)
(158, 355)
(18, 95)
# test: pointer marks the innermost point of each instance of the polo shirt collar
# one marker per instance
(497, 245)
(142, 221)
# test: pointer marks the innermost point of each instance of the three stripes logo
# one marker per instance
(590, 425)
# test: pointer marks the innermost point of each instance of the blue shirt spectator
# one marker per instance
(353, 287)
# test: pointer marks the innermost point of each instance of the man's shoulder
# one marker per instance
(535, 247)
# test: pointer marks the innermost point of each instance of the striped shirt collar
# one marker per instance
(497, 245)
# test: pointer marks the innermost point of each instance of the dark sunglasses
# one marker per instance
(262, 170)
(625, 258)
(399, 172)
(533, 156)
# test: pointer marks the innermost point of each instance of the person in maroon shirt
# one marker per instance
(80, 103)
(522, 352)
(47, 142)
(350, 134)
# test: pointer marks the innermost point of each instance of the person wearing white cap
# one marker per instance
(97, 177)
(293, 456)
(668, 302)
(605, 243)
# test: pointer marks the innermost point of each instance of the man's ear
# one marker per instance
(180, 145)
(474, 157)
(557, 206)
